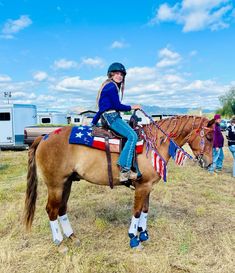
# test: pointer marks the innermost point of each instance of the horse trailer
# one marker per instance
(13, 119)
(51, 117)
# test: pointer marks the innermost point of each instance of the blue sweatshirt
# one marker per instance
(109, 100)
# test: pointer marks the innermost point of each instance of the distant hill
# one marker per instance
(171, 110)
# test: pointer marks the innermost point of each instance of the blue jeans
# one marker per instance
(218, 157)
(232, 150)
(116, 123)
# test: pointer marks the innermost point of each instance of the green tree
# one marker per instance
(228, 103)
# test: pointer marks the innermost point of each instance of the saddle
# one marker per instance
(108, 134)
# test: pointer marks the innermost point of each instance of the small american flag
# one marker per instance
(180, 157)
(177, 153)
(159, 164)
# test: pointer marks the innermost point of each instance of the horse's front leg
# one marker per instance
(142, 228)
(142, 192)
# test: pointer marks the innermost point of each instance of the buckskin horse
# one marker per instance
(59, 163)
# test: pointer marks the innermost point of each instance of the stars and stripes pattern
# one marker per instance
(83, 135)
(180, 157)
(177, 154)
(159, 164)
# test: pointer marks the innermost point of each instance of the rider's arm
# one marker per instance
(114, 98)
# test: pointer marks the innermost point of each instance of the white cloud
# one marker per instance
(93, 62)
(144, 85)
(40, 76)
(75, 84)
(13, 26)
(197, 15)
(20, 95)
(173, 78)
(65, 64)
(168, 58)
(137, 74)
(118, 44)
(5, 78)
(166, 13)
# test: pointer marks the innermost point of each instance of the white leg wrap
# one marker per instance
(143, 220)
(65, 224)
(56, 232)
(134, 225)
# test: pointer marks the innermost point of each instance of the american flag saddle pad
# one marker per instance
(82, 135)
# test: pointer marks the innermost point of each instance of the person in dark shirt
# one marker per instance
(218, 143)
(109, 109)
(231, 141)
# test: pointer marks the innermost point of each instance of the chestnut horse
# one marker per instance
(59, 163)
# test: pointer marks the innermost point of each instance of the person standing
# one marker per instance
(218, 143)
(231, 141)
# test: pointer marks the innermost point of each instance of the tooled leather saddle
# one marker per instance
(105, 132)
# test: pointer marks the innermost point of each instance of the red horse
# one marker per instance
(59, 163)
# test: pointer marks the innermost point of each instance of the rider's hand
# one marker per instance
(135, 107)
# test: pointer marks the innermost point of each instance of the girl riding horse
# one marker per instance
(109, 109)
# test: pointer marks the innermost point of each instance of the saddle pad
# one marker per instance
(82, 135)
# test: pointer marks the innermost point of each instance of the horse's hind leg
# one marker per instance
(52, 208)
(63, 217)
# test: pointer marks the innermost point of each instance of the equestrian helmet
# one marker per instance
(117, 67)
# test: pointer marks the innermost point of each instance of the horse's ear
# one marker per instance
(211, 123)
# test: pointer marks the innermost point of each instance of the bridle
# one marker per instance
(200, 131)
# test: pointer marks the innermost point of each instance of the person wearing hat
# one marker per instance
(109, 109)
(231, 140)
(218, 143)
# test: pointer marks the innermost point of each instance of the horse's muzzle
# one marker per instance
(202, 162)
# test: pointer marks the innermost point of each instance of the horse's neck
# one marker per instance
(185, 125)
(177, 128)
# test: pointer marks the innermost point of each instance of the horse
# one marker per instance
(59, 163)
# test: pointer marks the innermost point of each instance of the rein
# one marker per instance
(168, 136)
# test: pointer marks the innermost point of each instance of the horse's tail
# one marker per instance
(32, 183)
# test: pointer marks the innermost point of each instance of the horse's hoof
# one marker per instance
(139, 247)
(143, 236)
(76, 242)
(134, 241)
(62, 249)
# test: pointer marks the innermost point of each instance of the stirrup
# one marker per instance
(128, 184)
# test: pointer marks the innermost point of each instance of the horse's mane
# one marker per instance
(175, 125)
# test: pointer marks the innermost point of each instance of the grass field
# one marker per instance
(191, 224)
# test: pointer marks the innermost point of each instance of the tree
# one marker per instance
(228, 103)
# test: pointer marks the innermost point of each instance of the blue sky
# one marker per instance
(55, 54)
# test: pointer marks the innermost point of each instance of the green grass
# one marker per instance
(190, 224)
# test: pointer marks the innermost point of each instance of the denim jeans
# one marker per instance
(116, 123)
(232, 150)
(218, 157)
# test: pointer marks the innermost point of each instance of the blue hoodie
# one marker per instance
(109, 100)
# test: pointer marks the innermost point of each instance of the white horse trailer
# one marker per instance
(13, 119)
(51, 118)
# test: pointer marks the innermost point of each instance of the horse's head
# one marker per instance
(201, 143)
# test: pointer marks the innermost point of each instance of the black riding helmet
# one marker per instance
(117, 67)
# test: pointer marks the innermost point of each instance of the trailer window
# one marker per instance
(76, 119)
(5, 116)
(46, 120)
